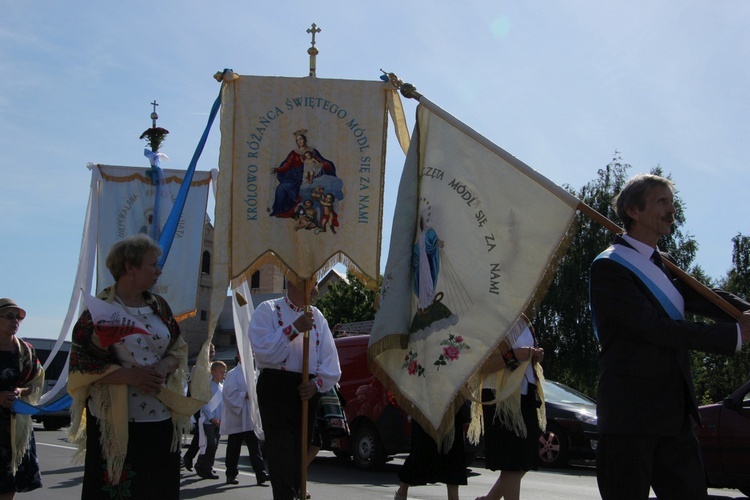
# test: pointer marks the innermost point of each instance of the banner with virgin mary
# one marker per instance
(302, 171)
(475, 233)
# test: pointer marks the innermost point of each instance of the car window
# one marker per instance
(559, 393)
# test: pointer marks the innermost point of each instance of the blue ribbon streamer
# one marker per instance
(170, 227)
(23, 408)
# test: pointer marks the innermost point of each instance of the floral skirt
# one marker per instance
(27, 477)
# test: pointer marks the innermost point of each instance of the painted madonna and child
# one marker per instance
(309, 189)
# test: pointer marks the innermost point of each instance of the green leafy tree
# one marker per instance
(738, 278)
(716, 376)
(347, 301)
(563, 319)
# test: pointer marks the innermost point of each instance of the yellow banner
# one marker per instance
(305, 158)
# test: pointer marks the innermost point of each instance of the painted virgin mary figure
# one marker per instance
(425, 270)
(290, 175)
(426, 264)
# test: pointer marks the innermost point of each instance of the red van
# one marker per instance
(379, 427)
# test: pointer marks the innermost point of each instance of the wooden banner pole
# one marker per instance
(307, 287)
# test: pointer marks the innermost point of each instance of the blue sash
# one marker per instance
(655, 280)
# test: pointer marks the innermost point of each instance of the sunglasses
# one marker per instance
(11, 316)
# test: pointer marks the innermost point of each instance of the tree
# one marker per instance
(716, 376)
(738, 278)
(347, 301)
(563, 319)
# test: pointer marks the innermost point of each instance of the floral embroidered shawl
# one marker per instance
(32, 376)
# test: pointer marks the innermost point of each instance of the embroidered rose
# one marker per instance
(451, 352)
(454, 344)
(411, 364)
(413, 367)
(121, 490)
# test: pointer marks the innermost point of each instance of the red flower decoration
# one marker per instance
(451, 352)
(412, 368)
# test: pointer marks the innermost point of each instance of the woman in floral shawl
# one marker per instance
(128, 412)
(21, 377)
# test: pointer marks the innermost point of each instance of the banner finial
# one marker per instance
(407, 89)
(312, 51)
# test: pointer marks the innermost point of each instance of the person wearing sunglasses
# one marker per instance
(21, 378)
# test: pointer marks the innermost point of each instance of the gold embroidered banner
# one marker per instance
(475, 231)
(305, 160)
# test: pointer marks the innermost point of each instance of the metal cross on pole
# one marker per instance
(312, 51)
(154, 114)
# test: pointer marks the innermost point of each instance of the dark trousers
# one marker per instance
(280, 410)
(234, 446)
(628, 466)
(206, 460)
(192, 450)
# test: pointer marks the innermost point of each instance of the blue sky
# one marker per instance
(559, 84)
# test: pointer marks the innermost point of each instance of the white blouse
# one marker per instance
(144, 350)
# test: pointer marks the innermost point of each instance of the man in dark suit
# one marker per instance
(646, 399)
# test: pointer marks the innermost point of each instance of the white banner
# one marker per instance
(474, 233)
(126, 203)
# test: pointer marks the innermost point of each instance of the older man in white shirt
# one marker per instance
(274, 334)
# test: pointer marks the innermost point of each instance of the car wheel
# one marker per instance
(53, 424)
(553, 448)
(366, 449)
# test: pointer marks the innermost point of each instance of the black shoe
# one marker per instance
(187, 463)
(232, 480)
(207, 475)
(262, 477)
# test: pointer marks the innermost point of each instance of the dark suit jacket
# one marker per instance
(645, 381)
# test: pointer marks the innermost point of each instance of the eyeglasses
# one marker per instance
(11, 316)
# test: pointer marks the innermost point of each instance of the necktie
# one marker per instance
(656, 259)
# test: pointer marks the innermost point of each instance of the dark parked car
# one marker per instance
(724, 436)
(571, 426)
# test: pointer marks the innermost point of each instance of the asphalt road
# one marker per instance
(328, 479)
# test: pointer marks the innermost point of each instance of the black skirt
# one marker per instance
(425, 464)
(503, 449)
(151, 471)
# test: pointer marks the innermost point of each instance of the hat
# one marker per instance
(10, 304)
